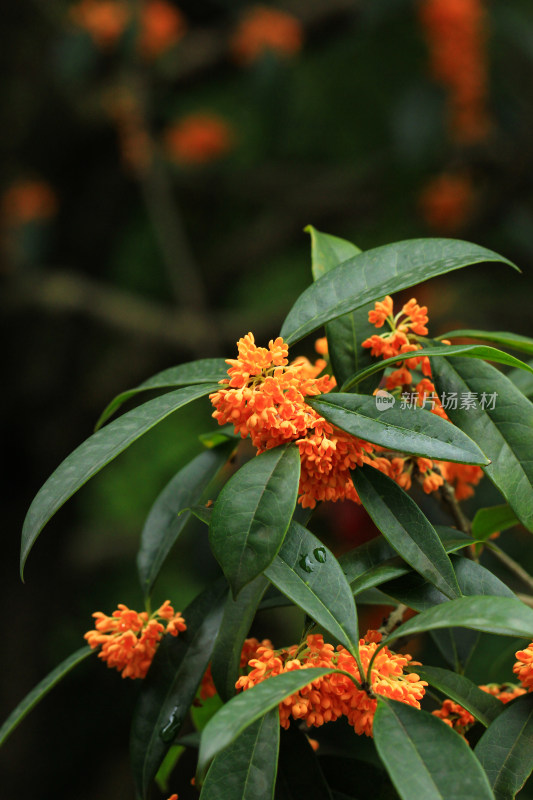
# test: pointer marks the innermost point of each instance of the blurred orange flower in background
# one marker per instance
(28, 200)
(162, 26)
(198, 138)
(264, 29)
(447, 202)
(104, 20)
(455, 33)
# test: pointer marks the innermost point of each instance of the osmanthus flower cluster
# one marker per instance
(462, 720)
(523, 667)
(129, 639)
(335, 695)
(404, 335)
(264, 398)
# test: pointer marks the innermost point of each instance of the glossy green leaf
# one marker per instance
(473, 579)
(239, 614)
(505, 431)
(246, 770)
(375, 273)
(247, 707)
(512, 340)
(503, 615)
(168, 516)
(377, 553)
(482, 705)
(408, 430)
(308, 573)
(41, 690)
(505, 750)
(97, 451)
(252, 514)
(490, 520)
(299, 767)
(424, 757)
(466, 350)
(522, 380)
(405, 527)
(171, 685)
(346, 333)
(206, 370)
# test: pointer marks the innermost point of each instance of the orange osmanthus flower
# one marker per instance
(328, 698)
(263, 30)
(129, 639)
(264, 398)
(198, 138)
(523, 668)
(162, 26)
(249, 649)
(462, 720)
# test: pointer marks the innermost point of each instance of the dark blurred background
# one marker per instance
(158, 163)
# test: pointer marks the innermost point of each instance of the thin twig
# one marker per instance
(394, 619)
(448, 495)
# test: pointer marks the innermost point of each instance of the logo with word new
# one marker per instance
(384, 400)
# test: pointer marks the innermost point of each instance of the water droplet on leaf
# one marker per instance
(170, 729)
(320, 554)
(306, 563)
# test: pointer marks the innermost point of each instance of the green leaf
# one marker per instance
(170, 512)
(346, 333)
(328, 251)
(171, 684)
(424, 757)
(375, 273)
(238, 617)
(247, 707)
(482, 705)
(506, 431)
(206, 370)
(503, 615)
(378, 552)
(299, 767)
(506, 749)
(408, 430)
(512, 340)
(95, 452)
(473, 579)
(252, 514)
(522, 380)
(310, 575)
(246, 770)
(478, 351)
(405, 527)
(41, 690)
(490, 520)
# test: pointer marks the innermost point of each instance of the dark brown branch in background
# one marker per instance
(61, 292)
